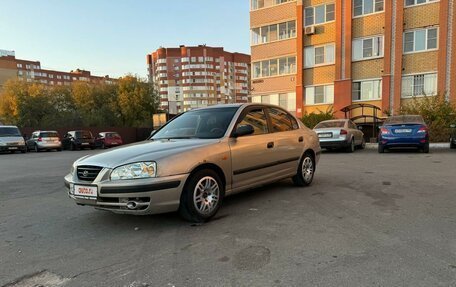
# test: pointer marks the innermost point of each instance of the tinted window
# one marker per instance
(49, 135)
(83, 134)
(405, 119)
(332, 124)
(257, 119)
(206, 123)
(9, 132)
(281, 121)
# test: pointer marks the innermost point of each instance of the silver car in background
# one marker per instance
(44, 140)
(11, 139)
(197, 159)
(340, 134)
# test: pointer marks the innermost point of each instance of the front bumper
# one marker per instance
(12, 148)
(151, 196)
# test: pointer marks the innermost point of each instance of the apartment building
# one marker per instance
(192, 77)
(367, 57)
(31, 71)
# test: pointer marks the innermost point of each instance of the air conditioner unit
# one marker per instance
(310, 30)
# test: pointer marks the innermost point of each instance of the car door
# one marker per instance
(252, 156)
(288, 140)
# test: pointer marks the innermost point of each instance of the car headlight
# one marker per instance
(72, 169)
(21, 142)
(135, 171)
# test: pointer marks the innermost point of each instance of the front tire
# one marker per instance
(202, 196)
(306, 170)
(363, 144)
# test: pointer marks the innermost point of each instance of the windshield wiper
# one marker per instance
(174, 138)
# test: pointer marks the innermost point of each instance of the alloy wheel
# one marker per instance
(206, 195)
(307, 169)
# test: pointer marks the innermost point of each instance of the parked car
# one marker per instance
(340, 134)
(44, 140)
(195, 160)
(11, 139)
(74, 140)
(404, 131)
(453, 136)
(108, 139)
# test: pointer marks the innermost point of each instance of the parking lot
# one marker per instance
(369, 219)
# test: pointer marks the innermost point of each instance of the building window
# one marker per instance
(367, 90)
(274, 32)
(27, 66)
(418, 2)
(258, 4)
(19, 65)
(319, 14)
(318, 95)
(419, 85)
(20, 73)
(420, 40)
(367, 48)
(318, 55)
(274, 67)
(366, 7)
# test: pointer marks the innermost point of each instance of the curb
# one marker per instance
(431, 145)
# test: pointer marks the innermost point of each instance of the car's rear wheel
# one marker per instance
(351, 147)
(381, 148)
(363, 144)
(452, 144)
(306, 170)
(36, 148)
(202, 196)
(426, 148)
(103, 146)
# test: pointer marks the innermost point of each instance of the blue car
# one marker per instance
(408, 131)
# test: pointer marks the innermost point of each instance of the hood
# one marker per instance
(143, 151)
(11, 139)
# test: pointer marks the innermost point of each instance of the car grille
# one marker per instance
(12, 144)
(87, 172)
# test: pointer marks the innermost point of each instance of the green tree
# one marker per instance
(312, 119)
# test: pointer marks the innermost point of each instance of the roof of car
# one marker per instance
(236, 105)
(8, 126)
(45, 132)
(336, 120)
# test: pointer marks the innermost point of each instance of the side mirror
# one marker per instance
(453, 126)
(243, 130)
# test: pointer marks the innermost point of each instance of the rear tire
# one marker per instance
(306, 170)
(202, 196)
(351, 147)
(452, 145)
(426, 148)
(363, 144)
(103, 145)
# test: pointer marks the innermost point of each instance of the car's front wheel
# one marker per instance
(306, 171)
(202, 196)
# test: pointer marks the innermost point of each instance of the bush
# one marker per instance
(438, 114)
(312, 119)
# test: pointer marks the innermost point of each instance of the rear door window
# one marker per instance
(282, 121)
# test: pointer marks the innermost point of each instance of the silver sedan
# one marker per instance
(197, 159)
(340, 134)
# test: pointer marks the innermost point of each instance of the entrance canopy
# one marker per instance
(366, 115)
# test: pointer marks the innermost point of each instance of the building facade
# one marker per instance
(31, 71)
(192, 77)
(351, 53)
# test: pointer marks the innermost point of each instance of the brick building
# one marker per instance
(31, 71)
(192, 77)
(311, 55)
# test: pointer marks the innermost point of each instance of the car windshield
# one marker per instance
(83, 134)
(405, 119)
(49, 135)
(112, 135)
(207, 123)
(331, 124)
(9, 132)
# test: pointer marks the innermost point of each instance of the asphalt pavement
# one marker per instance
(369, 219)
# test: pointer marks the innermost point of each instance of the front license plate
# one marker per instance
(325, 135)
(12, 148)
(402, 131)
(85, 191)
(85, 143)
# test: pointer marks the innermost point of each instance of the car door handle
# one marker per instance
(301, 139)
(270, 144)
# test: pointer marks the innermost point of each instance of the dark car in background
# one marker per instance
(80, 139)
(44, 140)
(108, 139)
(405, 131)
(11, 139)
(453, 136)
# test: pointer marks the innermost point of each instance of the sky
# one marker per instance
(114, 37)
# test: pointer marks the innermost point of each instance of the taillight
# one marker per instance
(423, 129)
(384, 131)
(343, 132)
(40, 139)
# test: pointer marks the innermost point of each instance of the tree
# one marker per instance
(137, 101)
